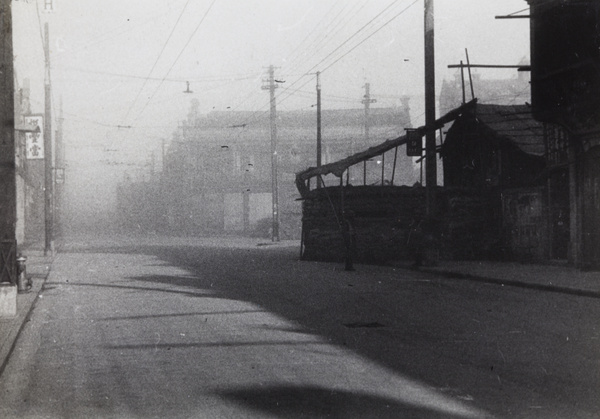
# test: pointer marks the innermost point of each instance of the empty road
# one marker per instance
(226, 328)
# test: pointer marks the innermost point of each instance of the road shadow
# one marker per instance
(296, 402)
(459, 338)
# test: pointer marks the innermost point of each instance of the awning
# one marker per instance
(339, 167)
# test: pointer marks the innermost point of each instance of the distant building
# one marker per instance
(514, 90)
(217, 169)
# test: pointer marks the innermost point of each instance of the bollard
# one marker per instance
(23, 285)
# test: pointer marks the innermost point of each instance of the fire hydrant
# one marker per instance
(23, 284)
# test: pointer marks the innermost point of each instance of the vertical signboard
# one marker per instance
(34, 141)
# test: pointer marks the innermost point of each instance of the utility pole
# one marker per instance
(59, 174)
(319, 152)
(8, 191)
(430, 146)
(271, 88)
(49, 178)
(367, 102)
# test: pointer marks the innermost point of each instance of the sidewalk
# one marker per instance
(38, 269)
(551, 278)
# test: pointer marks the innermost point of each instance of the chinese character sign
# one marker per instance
(34, 141)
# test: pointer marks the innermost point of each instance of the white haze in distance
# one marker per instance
(101, 53)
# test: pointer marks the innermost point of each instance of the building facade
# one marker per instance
(218, 177)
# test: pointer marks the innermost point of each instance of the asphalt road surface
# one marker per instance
(228, 329)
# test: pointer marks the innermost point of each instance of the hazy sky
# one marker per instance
(126, 62)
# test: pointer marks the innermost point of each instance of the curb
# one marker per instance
(508, 282)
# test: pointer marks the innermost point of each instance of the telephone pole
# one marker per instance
(319, 152)
(8, 191)
(430, 146)
(271, 86)
(48, 167)
(59, 174)
(367, 102)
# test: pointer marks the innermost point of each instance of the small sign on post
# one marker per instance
(59, 175)
(414, 143)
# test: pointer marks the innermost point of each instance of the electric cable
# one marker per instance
(281, 99)
(156, 61)
(337, 28)
(368, 37)
(110, 34)
(207, 79)
(357, 32)
(178, 56)
(300, 50)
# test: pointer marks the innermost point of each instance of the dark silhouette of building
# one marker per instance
(565, 80)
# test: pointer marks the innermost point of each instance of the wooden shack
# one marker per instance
(500, 150)
(494, 203)
(382, 213)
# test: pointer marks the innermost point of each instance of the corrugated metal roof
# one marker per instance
(515, 123)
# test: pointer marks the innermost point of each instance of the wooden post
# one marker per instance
(382, 169)
(575, 203)
(470, 75)
(462, 81)
(394, 166)
(246, 209)
(430, 146)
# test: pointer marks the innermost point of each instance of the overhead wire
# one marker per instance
(178, 56)
(207, 79)
(112, 33)
(368, 37)
(261, 110)
(353, 48)
(156, 61)
(356, 33)
(336, 29)
(319, 42)
(288, 92)
(300, 49)
(519, 11)
(37, 8)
